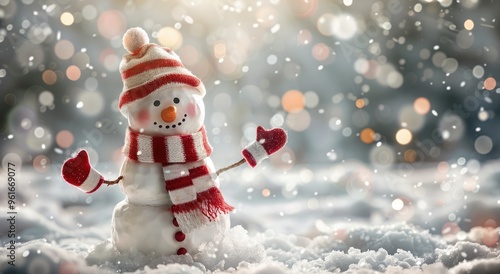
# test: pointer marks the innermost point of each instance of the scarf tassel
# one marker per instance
(189, 216)
(212, 203)
(208, 205)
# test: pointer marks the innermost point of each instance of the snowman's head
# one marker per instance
(168, 111)
(160, 96)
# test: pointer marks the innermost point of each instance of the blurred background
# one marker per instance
(395, 84)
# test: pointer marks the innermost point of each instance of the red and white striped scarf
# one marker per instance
(189, 179)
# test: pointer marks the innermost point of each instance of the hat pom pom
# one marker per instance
(134, 39)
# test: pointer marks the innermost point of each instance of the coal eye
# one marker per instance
(176, 100)
(156, 103)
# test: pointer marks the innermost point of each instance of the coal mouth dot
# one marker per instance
(171, 126)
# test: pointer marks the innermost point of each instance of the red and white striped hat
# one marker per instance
(148, 67)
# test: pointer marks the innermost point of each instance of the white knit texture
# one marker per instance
(204, 182)
(91, 181)
(191, 220)
(145, 149)
(199, 146)
(182, 195)
(175, 150)
(151, 74)
(258, 152)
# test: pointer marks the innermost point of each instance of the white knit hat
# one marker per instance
(148, 67)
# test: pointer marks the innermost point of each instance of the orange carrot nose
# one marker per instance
(168, 115)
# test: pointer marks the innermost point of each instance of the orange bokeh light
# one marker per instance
(293, 101)
(468, 24)
(367, 135)
(73, 73)
(320, 52)
(360, 103)
(49, 77)
(422, 105)
(410, 155)
(490, 83)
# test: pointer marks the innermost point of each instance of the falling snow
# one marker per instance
(390, 106)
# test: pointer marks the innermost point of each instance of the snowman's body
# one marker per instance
(144, 221)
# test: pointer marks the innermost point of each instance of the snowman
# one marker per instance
(172, 203)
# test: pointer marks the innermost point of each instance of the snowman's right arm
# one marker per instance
(114, 182)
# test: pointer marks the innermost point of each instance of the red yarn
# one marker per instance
(76, 170)
(211, 203)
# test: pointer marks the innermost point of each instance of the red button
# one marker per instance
(181, 251)
(179, 236)
(175, 222)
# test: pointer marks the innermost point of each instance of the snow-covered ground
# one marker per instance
(345, 217)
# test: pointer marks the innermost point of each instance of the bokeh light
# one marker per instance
(311, 99)
(65, 138)
(409, 118)
(266, 16)
(111, 24)
(422, 105)
(73, 73)
(324, 24)
(170, 38)
(478, 71)
(64, 49)
(403, 136)
(483, 144)
(344, 26)
(320, 52)
(41, 163)
(360, 103)
(89, 12)
(49, 77)
(304, 37)
(397, 204)
(90, 103)
(469, 24)
(367, 136)
(490, 83)
(46, 98)
(382, 156)
(67, 18)
(410, 155)
(451, 127)
(293, 101)
(305, 8)
(219, 49)
(298, 120)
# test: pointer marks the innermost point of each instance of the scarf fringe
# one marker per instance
(206, 208)
(211, 202)
(189, 216)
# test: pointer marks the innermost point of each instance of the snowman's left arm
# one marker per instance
(266, 143)
(242, 161)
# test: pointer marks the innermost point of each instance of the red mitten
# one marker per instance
(266, 143)
(78, 172)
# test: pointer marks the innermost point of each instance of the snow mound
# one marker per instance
(464, 251)
(38, 256)
(481, 266)
(399, 248)
(235, 248)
